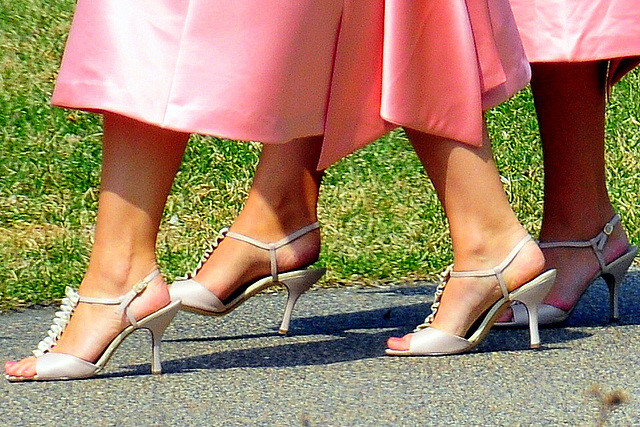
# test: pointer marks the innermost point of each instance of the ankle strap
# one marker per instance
(272, 247)
(125, 300)
(596, 243)
(497, 270)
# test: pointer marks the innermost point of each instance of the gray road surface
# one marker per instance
(332, 370)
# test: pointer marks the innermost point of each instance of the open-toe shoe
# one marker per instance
(429, 341)
(61, 366)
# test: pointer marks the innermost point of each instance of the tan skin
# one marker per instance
(570, 103)
(282, 200)
(483, 228)
(129, 217)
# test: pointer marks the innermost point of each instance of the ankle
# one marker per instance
(482, 249)
(526, 265)
(109, 275)
(272, 212)
(270, 224)
(616, 242)
(575, 225)
(235, 262)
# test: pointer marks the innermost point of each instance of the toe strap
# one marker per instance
(431, 341)
(62, 366)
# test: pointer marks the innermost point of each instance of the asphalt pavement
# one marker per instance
(332, 370)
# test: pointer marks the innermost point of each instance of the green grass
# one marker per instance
(380, 216)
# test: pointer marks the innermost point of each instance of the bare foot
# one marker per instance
(93, 326)
(465, 299)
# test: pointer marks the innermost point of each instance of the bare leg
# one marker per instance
(283, 199)
(570, 103)
(139, 164)
(483, 230)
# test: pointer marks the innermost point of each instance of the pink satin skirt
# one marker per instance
(279, 70)
(581, 30)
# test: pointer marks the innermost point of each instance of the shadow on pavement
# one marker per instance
(362, 334)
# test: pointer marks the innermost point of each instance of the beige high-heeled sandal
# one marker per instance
(61, 366)
(612, 273)
(429, 341)
(198, 299)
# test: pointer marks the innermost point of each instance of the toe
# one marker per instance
(8, 365)
(12, 367)
(27, 371)
(24, 368)
(399, 344)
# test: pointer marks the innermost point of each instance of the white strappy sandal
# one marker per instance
(60, 366)
(612, 273)
(198, 299)
(429, 341)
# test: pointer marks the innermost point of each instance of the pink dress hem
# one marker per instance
(349, 69)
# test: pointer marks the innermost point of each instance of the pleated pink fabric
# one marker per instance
(278, 70)
(581, 30)
(434, 66)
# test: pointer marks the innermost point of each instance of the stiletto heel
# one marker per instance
(156, 362)
(156, 327)
(614, 311)
(60, 366)
(198, 299)
(612, 273)
(429, 341)
(531, 298)
(296, 286)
